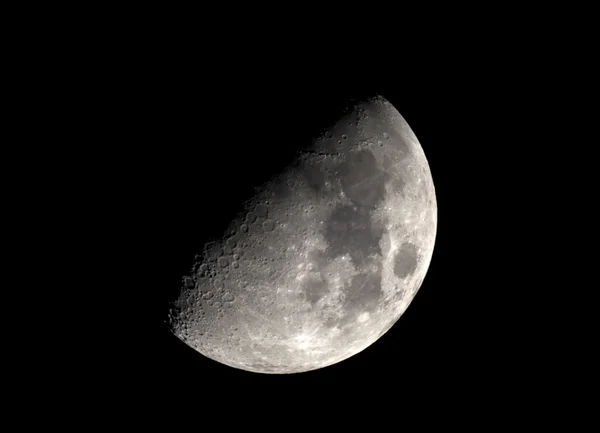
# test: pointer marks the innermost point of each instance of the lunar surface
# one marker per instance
(324, 258)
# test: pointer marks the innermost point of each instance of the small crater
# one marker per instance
(223, 262)
(191, 300)
(269, 225)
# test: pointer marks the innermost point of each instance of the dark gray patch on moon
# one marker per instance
(365, 289)
(405, 262)
(361, 179)
(315, 178)
(363, 294)
(349, 231)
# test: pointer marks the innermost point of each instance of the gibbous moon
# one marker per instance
(324, 258)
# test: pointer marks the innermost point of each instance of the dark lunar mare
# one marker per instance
(406, 260)
(363, 294)
(349, 231)
(362, 181)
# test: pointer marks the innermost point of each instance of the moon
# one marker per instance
(324, 258)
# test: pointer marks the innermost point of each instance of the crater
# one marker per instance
(406, 260)
(260, 210)
(362, 181)
(212, 251)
